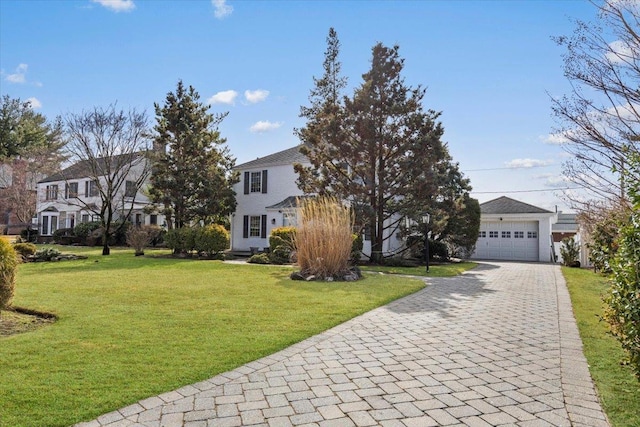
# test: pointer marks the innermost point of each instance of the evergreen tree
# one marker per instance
(192, 173)
(379, 149)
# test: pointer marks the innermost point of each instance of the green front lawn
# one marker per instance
(438, 270)
(133, 327)
(618, 388)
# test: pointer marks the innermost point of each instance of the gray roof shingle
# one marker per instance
(506, 205)
(285, 157)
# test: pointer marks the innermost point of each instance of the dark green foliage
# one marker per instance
(211, 239)
(22, 129)
(281, 244)
(25, 249)
(463, 227)
(356, 248)
(64, 236)
(379, 149)
(8, 265)
(604, 239)
(83, 231)
(192, 174)
(623, 301)
(46, 254)
(570, 251)
(180, 240)
(29, 235)
(259, 259)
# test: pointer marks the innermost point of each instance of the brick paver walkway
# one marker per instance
(495, 346)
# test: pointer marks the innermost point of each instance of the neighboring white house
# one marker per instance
(71, 197)
(515, 231)
(267, 195)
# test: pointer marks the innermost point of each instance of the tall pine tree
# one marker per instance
(192, 175)
(379, 149)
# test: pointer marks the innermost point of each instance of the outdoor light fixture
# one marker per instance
(425, 220)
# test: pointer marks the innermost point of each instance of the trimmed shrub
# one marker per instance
(259, 259)
(8, 265)
(281, 244)
(29, 235)
(25, 249)
(84, 229)
(323, 241)
(180, 240)
(64, 236)
(211, 239)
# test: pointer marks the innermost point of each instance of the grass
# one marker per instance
(439, 270)
(133, 327)
(618, 388)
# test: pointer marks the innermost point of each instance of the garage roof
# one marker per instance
(506, 205)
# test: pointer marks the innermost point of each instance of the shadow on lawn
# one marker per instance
(442, 293)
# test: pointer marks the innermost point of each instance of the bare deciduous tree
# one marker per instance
(601, 117)
(110, 147)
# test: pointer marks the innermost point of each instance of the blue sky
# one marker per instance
(489, 66)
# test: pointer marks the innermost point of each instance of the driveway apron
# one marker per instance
(497, 345)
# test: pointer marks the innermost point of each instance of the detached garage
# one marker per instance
(511, 230)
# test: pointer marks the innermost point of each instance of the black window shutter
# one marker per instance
(86, 189)
(246, 183)
(245, 227)
(264, 181)
(263, 231)
(66, 191)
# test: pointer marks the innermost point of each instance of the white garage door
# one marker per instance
(506, 240)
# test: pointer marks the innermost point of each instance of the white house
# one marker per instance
(515, 231)
(71, 196)
(267, 195)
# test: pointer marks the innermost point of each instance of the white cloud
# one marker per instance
(554, 180)
(527, 163)
(555, 138)
(264, 126)
(224, 97)
(117, 5)
(20, 76)
(619, 52)
(255, 96)
(35, 103)
(221, 8)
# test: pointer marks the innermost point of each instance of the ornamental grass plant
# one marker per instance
(323, 239)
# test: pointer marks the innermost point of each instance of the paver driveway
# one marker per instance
(495, 346)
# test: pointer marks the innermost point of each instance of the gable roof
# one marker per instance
(506, 205)
(285, 157)
(82, 169)
(290, 202)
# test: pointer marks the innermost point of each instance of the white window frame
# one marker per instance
(255, 226)
(255, 182)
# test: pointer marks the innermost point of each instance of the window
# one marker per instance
(256, 182)
(289, 219)
(85, 218)
(518, 234)
(91, 188)
(483, 234)
(254, 226)
(72, 190)
(493, 234)
(49, 224)
(52, 192)
(506, 234)
(130, 189)
(153, 219)
(532, 234)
